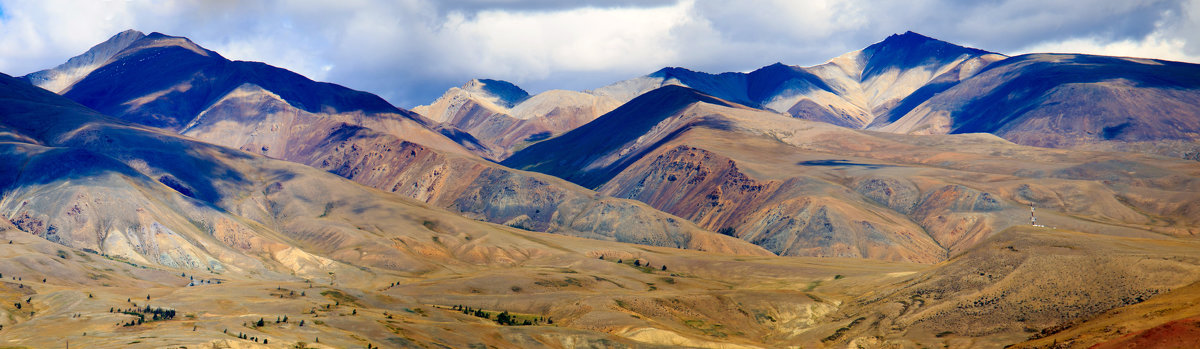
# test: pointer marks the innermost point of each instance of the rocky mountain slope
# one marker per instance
(389, 150)
(505, 119)
(803, 188)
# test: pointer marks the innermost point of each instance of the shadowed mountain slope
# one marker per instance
(591, 154)
(170, 82)
(1070, 101)
(165, 81)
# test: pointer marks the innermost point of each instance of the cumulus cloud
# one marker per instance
(409, 51)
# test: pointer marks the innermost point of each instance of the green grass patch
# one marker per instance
(340, 297)
(570, 281)
(712, 330)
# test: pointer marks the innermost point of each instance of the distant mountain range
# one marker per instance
(913, 84)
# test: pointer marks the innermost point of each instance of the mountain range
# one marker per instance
(913, 193)
(912, 84)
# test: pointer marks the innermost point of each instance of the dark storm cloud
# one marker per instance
(410, 51)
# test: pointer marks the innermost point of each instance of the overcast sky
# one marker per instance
(410, 51)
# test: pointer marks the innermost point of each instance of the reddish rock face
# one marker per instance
(496, 194)
(786, 217)
(1184, 333)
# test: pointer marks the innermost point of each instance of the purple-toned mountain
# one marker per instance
(1067, 101)
(170, 82)
(850, 90)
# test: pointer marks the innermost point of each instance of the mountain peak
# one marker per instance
(156, 40)
(127, 33)
(130, 31)
(505, 92)
(60, 78)
(670, 71)
(908, 34)
(776, 67)
(910, 50)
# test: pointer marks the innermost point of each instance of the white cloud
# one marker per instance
(531, 44)
(1176, 36)
(1154, 46)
